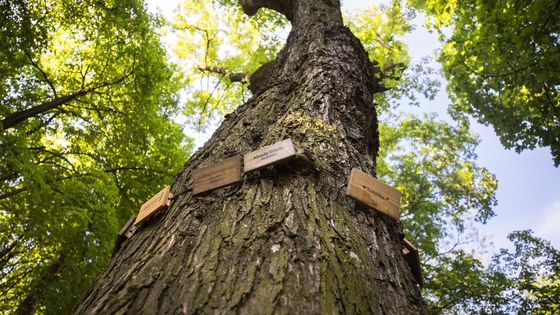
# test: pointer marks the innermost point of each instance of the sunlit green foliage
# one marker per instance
(102, 142)
(380, 29)
(523, 281)
(460, 284)
(501, 60)
(534, 272)
(434, 165)
(210, 34)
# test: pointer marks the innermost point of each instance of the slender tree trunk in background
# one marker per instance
(29, 304)
(288, 241)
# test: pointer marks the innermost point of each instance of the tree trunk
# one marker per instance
(286, 239)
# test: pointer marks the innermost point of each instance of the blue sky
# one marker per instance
(529, 185)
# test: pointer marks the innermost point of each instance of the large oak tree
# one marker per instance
(286, 240)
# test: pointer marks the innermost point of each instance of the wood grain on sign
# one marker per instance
(371, 192)
(158, 202)
(270, 154)
(217, 175)
(413, 260)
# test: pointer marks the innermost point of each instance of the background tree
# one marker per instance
(500, 60)
(533, 270)
(86, 104)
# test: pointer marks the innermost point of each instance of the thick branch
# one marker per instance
(7, 253)
(392, 71)
(242, 77)
(12, 193)
(285, 7)
(23, 115)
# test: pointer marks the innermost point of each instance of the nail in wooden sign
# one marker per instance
(270, 154)
(158, 202)
(217, 175)
(413, 260)
(373, 193)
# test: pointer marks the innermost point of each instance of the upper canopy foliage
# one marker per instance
(501, 60)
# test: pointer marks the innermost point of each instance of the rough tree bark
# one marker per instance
(287, 241)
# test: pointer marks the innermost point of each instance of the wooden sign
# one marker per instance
(125, 233)
(413, 260)
(158, 202)
(129, 228)
(373, 193)
(270, 154)
(217, 175)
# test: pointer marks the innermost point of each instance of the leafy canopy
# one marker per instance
(501, 61)
(86, 99)
(217, 34)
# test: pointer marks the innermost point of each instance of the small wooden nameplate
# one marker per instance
(270, 154)
(158, 202)
(217, 175)
(128, 229)
(373, 193)
(413, 260)
(125, 233)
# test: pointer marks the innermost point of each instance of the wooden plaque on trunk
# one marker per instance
(158, 202)
(413, 260)
(268, 155)
(373, 193)
(128, 229)
(217, 175)
(125, 233)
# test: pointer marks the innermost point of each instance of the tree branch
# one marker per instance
(242, 77)
(140, 169)
(285, 7)
(23, 115)
(12, 193)
(42, 73)
(8, 252)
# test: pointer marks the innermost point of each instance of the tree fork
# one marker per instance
(287, 240)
